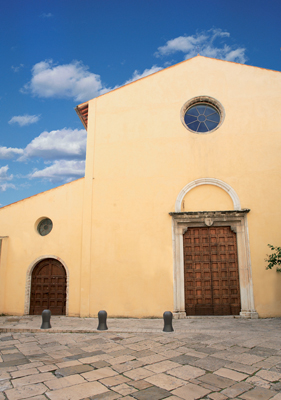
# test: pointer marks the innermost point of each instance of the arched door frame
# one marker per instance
(236, 219)
(29, 278)
(208, 181)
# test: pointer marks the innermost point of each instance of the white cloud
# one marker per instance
(4, 177)
(71, 81)
(61, 170)
(234, 55)
(5, 186)
(137, 75)
(203, 43)
(63, 81)
(184, 44)
(16, 69)
(9, 152)
(46, 15)
(64, 153)
(59, 144)
(23, 120)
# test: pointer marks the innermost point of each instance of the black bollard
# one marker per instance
(168, 316)
(102, 315)
(46, 318)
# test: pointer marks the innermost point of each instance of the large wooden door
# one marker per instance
(211, 275)
(48, 288)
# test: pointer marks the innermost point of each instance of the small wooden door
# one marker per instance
(48, 288)
(211, 274)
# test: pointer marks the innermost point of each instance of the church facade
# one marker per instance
(180, 198)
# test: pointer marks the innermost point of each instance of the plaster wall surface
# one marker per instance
(143, 156)
(24, 245)
(113, 230)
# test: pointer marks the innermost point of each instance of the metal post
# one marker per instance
(46, 318)
(102, 315)
(168, 316)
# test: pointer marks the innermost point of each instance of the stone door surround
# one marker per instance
(237, 220)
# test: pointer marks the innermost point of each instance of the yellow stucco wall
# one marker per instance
(24, 245)
(113, 229)
(143, 156)
(207, 197)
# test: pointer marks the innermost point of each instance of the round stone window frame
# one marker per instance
(40, 222)
(200, 100)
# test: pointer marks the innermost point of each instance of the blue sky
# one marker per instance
(57, 54)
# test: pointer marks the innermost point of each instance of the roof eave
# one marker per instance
(82, 112)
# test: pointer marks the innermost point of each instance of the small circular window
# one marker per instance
(202, 114)
(45, 226)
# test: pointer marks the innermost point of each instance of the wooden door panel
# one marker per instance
(211, 271)
(48, 288)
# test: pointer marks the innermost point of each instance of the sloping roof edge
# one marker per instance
(38, 194)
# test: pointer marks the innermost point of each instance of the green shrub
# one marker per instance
(274, 259)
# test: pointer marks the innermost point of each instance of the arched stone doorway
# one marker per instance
(229, 220)
(48, 287)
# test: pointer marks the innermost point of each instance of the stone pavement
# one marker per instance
(205, 358)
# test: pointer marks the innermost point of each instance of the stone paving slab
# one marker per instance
(204, 358)
(236, 390)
